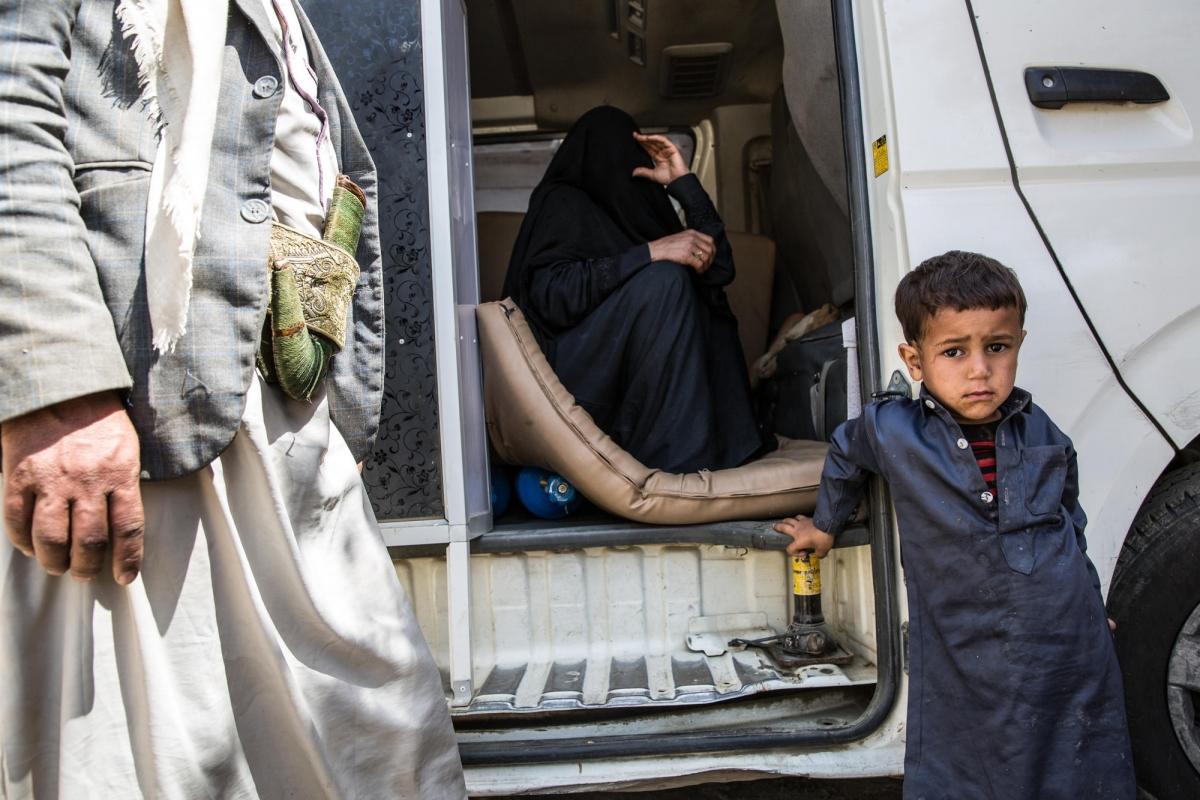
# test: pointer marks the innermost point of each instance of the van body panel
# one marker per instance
(880, 755)
(1115, 186)
(1120, 453)
(958, 194)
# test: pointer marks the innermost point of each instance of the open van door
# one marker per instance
(455, 294)
(574, 650)
(1098, 103)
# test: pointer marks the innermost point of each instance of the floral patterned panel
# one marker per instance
(375, 47)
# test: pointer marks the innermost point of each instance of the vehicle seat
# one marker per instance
(496, 233)
(533, 420)
(749, 294)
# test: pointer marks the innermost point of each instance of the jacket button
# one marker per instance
(255, 211)
(266, 86)
(929, 404)
(962, 444)
(986, 497)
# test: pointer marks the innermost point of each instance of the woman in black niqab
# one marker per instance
(628, 304)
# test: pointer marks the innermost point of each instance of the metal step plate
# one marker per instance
(707, 672)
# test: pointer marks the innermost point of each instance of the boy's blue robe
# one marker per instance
(1015, 691)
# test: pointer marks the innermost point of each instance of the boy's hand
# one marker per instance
(1112, 625)
(805, 536)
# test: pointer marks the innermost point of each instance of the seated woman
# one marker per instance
(627, 304)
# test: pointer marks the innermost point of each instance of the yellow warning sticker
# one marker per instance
(806, 575)
(879, 155)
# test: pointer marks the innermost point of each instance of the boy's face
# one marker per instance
(968, 360)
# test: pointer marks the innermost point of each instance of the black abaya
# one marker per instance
(649, 349)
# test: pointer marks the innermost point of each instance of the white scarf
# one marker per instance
(178, 45)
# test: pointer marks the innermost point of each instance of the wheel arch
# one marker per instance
(1187, 455)
(1155, 600)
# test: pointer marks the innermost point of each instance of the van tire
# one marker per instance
(1155, 595)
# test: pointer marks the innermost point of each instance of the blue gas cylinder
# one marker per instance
(501, 490)
(547, 494)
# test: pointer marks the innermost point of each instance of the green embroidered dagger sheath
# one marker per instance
(312, 286)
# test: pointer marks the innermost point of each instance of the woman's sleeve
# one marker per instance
(563, 292)
(702, 216)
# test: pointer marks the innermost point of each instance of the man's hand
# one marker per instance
(689, 248)
(71, 485)
(805, 536)
(668, 164)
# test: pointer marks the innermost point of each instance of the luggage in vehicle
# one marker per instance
(806, 397)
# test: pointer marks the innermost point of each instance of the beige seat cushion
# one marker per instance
(533, 420)
(749, 294)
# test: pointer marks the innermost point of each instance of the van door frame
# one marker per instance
(455, 275)
(882, 536)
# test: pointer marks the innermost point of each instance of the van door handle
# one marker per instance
(1054, 87)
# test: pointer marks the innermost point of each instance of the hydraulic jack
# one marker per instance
(807, 639)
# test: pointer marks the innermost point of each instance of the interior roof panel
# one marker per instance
(562, 53)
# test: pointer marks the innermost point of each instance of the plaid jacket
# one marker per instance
(76, 148)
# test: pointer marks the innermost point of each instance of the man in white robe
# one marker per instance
(195, 600)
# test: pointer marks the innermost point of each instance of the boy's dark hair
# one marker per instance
(957, 280)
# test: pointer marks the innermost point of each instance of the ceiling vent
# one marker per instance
(694, 70)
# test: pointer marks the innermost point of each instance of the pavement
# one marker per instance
(772, 789)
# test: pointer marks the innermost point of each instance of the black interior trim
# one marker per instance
(512, 41)
(525, 538)
(520, 137)
(750, 535)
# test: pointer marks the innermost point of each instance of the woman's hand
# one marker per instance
(805, 536)
(689, 248)
(668, 164)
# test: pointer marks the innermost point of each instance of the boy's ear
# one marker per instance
(911, 357)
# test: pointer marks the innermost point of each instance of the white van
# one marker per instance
(843, 142)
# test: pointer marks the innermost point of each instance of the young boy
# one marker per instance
(1014, 686)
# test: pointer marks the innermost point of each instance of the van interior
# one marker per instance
(594, 613)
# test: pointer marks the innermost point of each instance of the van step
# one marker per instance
(656, 681)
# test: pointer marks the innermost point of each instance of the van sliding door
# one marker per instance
(455, 266)
(403, 66)
(1098, 103)
(375, 49)
(455, 293)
